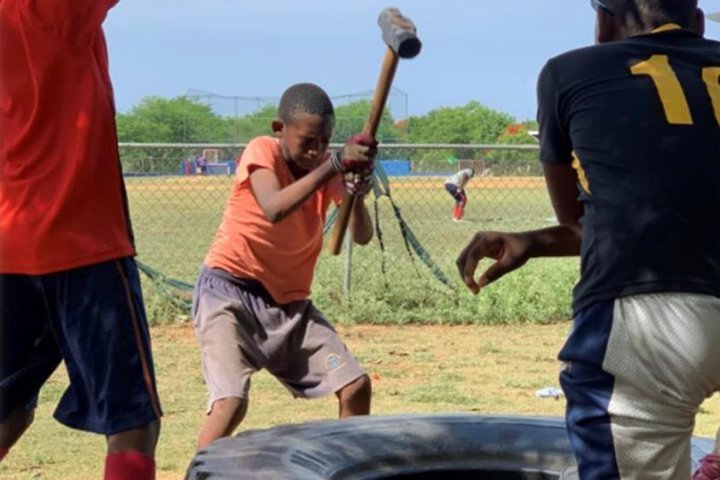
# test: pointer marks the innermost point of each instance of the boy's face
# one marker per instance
(305, 139)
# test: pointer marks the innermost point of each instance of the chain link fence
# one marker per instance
(176, 205)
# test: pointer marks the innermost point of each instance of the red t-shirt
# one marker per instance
(282, 255)
(62, 199)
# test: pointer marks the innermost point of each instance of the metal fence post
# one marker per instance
(347, 278)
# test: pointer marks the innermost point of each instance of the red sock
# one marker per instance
(709, 468)
(461, 212)
(456, 212)
(129, 466)
(3, 453)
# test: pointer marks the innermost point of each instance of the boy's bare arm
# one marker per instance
(361, 223)
(277, 203)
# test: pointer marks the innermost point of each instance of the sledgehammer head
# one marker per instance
(399, 33)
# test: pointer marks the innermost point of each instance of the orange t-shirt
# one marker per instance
(62, 199)
(281, 256)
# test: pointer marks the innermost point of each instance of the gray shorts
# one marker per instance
(242, 330)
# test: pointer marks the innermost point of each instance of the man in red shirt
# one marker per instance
(69, 286)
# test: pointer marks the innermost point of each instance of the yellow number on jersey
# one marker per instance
(711, 75)
(672, 96)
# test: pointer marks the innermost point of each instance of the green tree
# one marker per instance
(174, 120)
(471, 123)
(244, 129)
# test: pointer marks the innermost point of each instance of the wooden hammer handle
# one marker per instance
(382, 91)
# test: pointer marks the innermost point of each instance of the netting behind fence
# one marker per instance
(176, 210)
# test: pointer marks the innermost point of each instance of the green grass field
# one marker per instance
(175, 219)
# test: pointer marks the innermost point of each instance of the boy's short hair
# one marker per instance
(304, 98)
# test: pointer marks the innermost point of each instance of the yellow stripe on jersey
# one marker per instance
(667, 27)
(582, 178)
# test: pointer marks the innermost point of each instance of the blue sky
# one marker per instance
(485, 50)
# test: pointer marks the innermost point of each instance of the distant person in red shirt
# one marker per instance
(251, 305)
(69, 286)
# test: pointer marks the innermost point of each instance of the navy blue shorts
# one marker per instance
(93, 318)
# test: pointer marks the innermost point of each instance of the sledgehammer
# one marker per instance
(400, 35)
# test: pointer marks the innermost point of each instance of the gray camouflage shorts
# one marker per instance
(241, 330)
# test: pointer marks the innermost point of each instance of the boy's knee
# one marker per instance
(142, 439)
(360, 388)
(231, 407)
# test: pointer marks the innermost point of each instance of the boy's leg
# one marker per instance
(453, 191)
(28, 354)
(456, 212)
(461, 204)
(354, 398)
(225, 416)
(312, 361)
(100, 325)
(225, 328)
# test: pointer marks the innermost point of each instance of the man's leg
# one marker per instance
(13, 427)
(131, 454)
(588, 391)
(672, 340)
(28, 354)
(102, 332)
(225, 416)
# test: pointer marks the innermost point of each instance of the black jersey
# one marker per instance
(640, 121)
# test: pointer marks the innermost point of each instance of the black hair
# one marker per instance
(643, 15)
(304, 98)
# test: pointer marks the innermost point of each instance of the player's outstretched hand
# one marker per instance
(510, 250)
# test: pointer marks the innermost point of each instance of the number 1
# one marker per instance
(672, 96)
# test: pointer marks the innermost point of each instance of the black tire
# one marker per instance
(402, 447)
